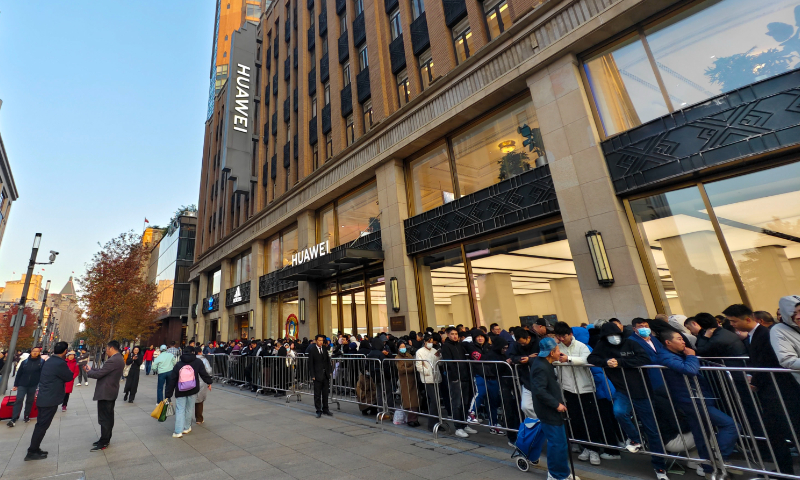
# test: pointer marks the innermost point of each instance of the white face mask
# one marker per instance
(614, 339)
(428, 346)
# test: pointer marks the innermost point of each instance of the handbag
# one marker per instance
(157, 411)
(170, 408)
(163, 416)
(126, 370)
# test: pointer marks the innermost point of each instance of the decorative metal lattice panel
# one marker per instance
(397, 54)
(347, 100)
(419, 34)
(362, 85)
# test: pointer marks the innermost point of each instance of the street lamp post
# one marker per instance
(38, 331)
(20, 313)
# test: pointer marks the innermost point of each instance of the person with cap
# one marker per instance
(541, 328)
(548, 407)
(162, 367)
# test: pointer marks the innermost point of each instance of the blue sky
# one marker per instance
(104, 104)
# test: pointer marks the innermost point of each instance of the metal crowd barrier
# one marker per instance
(724, 419)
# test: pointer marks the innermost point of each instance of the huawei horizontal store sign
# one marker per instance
(308, 254)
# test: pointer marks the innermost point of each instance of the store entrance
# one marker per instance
(242, 326)
(354, 304)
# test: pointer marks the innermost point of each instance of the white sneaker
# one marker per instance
(461, 433)
(470, 430)
(700, 472)
(594, 458)
(569, 477)
(662, 474)
(86, 383)
(577, 448)
(584, 455)
(609, 456)
(177, 435)
(632, 446)
(187, 430)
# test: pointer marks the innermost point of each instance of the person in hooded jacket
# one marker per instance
(458, 381)
(621, 361)
(785, 335)
(407, 378)
(715, 341)
(185, 399)
(521, 352)
(486, 385)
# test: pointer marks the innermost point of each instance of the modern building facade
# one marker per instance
(229, 16)
(8, 189)
(387, 166)
(170, 260)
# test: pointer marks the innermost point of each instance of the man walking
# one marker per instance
(106, 391)
(319, 367)
(55, 373)
(83, 360)
(548, 407)
(25, 384)
(162, 368)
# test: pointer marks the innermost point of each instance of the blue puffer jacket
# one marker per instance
(603, 388)
(679, 367)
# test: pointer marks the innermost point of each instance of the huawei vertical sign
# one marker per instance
(240, 119)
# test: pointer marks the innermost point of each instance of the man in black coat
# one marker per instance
(25, 384)
(106, 392)
(55, 373)
(769, 387)
(459, 381)
(319, 367)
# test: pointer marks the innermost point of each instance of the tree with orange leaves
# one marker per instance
(117, 300)
(25, 339)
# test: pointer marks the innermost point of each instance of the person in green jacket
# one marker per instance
(162, 366)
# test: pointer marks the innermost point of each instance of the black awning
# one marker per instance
(330, 264)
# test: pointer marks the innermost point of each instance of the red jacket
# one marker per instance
(73, 366)
(148, 355)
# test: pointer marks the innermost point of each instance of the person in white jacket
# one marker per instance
(427, 360)
(578, 387)
(785, 335)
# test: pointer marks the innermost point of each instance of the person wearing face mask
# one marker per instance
(621, 361)
(427, 359)
(407, 378)
(643, 336)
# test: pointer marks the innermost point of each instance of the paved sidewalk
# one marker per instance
(248, 437)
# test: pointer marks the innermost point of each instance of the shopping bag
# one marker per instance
(157, 411)
(170, 408)
(163, 416)
(399, 417)
(126, 370)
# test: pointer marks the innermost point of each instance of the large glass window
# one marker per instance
(711, 48)
(288, 246)
(759, 215)
(417, 8)
(516, 279)
(376, 283)
(327, 227)
(426, 68)
(681, 244)
(358, 214)
(498, 17)
(493, 150)
(240, 269)
(215, 283)
(394, 23)
(274, 259)
(403, 89)
(462, 38)
(433, 182)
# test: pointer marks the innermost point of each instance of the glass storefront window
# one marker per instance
(682, 246)
(524, 276)
(216, 279)
(433, 183)
(327, 227)
(289, 317)
(274, 259)
(443, 283)
(714, 47)
(288, 246)
(358, 214)
(493, 150)
(240, 269)
(759, 215)
(377, 301)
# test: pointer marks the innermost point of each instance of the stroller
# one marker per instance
(529, 444)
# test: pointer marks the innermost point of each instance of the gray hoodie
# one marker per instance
(785, 336)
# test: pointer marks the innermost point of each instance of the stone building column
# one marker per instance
(586, 195)
(202, 319)
(307, 236)
(226, 323)
(256, 271)
(393, 203)
(191, 323)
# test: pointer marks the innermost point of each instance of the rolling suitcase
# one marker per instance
(7, 407)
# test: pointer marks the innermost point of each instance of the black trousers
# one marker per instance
(66, 400)
(321, 388)
(43, 422)
(105, 417)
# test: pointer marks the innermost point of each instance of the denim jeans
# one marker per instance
(162, 383)
(557, 451)
(184, 409)
(726, 429)
(491, 388)
(623, 408)
(147, 365)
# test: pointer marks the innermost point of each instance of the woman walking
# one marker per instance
(201, 395)
(73, 367)
(134, 361)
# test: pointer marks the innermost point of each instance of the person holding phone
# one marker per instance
(135, 359)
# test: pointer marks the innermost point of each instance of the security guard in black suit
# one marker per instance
(319, 367)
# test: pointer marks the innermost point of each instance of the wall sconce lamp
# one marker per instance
(597, 250)
(395, 294)
(302, 311)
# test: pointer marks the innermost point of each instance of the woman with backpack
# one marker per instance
(184, 383)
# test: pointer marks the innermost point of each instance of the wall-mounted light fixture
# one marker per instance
(302, 311)
(508, 146)
(597, 250)
(395, 294)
